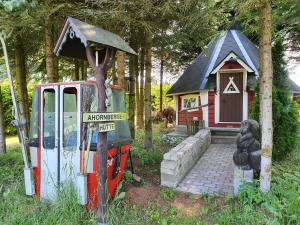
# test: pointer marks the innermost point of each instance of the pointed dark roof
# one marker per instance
(76, 35)
(294, 88)
(196, 75)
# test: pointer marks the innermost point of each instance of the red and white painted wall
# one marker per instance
(231, 87)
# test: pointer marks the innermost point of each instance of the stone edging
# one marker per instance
(180, 159)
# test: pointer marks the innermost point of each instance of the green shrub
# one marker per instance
(250, 194)
(7, 105)
(155, 93)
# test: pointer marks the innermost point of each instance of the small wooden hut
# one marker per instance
(218, 87)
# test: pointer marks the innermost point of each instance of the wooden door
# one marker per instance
(231, 97)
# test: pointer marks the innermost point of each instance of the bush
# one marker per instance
(7, 105)
(285, 124)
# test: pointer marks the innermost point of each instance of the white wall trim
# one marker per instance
(175, 97)
(233, 56)
(217, 100)
(204, 101)
(245, 96)
(184, 93)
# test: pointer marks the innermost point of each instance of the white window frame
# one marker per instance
(189, 97)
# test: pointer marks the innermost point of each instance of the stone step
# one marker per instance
(181, 128)
(218, 139)
(224, 133)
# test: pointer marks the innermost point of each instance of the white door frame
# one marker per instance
(245, 95)
(176, 107)
(69, 160)
(204, 101)
(49, 157)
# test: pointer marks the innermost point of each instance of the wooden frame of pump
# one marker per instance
(100, 71)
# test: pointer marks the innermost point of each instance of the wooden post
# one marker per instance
(100, 72)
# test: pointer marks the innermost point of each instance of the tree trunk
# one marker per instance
(55, 59)
(133, 61)
(161, 85)
(76, 69)
(114, 74)
(20, 63)
(137, 93)
(49, 51)
(266, 80)
(121, 69)
(2, 127)
(56, 68)
(148, 119)
(84, 66)
(140, 113)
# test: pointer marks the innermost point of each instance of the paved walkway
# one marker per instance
(213, 173)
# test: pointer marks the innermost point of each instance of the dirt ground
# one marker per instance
(142, 196)
(187, 205)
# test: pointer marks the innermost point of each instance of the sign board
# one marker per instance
(90, 117)
(105, 127)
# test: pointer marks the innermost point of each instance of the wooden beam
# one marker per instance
(100, 71)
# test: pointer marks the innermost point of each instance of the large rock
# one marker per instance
(180, 159)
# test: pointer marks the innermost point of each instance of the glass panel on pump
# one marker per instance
(70, 119)
(34, 120)
(49, 119)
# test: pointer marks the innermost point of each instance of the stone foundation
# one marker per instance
(180, 159)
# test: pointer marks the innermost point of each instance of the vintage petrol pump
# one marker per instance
(79, 133)
(63, 141)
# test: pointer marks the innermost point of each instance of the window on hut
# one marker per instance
(190, 102)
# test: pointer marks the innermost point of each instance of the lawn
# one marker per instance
(12, 142)
(148, 203)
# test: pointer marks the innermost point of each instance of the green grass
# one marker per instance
(280, 206)
(12, 142)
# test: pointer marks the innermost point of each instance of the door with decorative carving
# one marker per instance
(231, 97)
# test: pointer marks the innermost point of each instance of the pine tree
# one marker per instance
(285, 114)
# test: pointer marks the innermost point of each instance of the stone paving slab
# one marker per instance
(213, 173)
